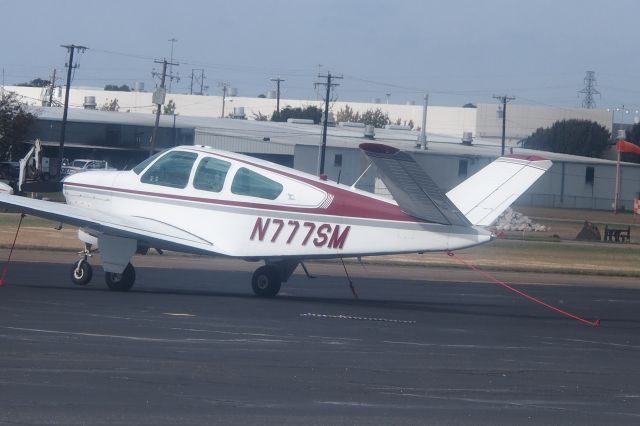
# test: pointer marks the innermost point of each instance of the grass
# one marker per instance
(528, 252)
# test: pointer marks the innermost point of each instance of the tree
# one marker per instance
(258, 116)
(375, 118)
(577, 137)
(469, 105)
(116, 88)
(169, 108)
(261, 96)
(36, 82)
(110, 105)
(347, 115)
(309, 112)
(15, 121)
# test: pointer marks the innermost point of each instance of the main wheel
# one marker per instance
(266, 281)
(81, 272)
(123, 281)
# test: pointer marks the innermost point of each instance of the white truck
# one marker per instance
(83, 165)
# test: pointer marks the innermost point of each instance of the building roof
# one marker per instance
(281, 138)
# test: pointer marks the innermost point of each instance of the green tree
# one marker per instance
(36, 82)
(469, 105)
(309, 112)
(169, 108)
(15, 121)
(577, 137)
(375, 118)
(110, 105)
(116, 88)
(347, 115)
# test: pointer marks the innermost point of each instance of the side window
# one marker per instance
(171, 170)
(248, 182)
(210, 174)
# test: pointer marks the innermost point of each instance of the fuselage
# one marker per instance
(241, 206)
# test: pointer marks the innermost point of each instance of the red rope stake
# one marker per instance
(5, 269)
(522, 293)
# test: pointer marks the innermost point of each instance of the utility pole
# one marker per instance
(172, 41)
(63, 128)
(422, 137)
(224, 86)
(278, 81)
(504, 99)
(323, 145)
(52, 88)
(158, 99)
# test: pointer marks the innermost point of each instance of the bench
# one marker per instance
(617, 233)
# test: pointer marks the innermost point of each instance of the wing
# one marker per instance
(157, 234)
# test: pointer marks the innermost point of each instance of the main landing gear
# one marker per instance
(82, 272)
(267, 279)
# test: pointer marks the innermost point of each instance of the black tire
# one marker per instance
(266, 281)
(81, 272)
(123, 281)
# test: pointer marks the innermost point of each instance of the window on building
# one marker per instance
(171, 170)
(210, 174)
(337, 160)
(247, 182)
(589, 175)
(462, 168)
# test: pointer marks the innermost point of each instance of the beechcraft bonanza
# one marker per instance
(199, 200)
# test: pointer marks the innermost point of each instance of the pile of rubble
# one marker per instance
(512, 220)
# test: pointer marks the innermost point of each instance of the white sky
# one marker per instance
(459, 51)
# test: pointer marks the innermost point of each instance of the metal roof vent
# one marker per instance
(467, 138)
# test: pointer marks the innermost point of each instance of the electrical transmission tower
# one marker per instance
(197, 80)
(323, 145)
(172, 40)
(589, 90)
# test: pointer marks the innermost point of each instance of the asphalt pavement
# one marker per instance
(193, 346)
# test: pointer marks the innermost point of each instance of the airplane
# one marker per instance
(199, 200)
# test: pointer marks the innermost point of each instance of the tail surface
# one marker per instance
(485, 195)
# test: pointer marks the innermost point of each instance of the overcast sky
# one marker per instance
(458, 51)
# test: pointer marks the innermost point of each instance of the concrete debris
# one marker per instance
(512, 220)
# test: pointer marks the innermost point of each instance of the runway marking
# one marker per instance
(445, 345)
(352, 317)
(174, 314)
(111, 336)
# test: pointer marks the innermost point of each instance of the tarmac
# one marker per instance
(191, 344)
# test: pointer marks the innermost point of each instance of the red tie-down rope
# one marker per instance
(5, 269)
(522, 293)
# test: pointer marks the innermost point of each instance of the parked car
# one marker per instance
(83, 165)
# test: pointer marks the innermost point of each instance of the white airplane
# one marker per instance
(199, 200)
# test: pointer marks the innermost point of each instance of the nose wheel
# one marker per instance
(81, 272)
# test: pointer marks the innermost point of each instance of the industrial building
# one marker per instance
(122, 138)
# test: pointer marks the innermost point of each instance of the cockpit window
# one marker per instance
(171, 170)
(140, 167)
(248, 182)
(210, 174)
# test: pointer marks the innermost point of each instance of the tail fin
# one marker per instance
(485, 195)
